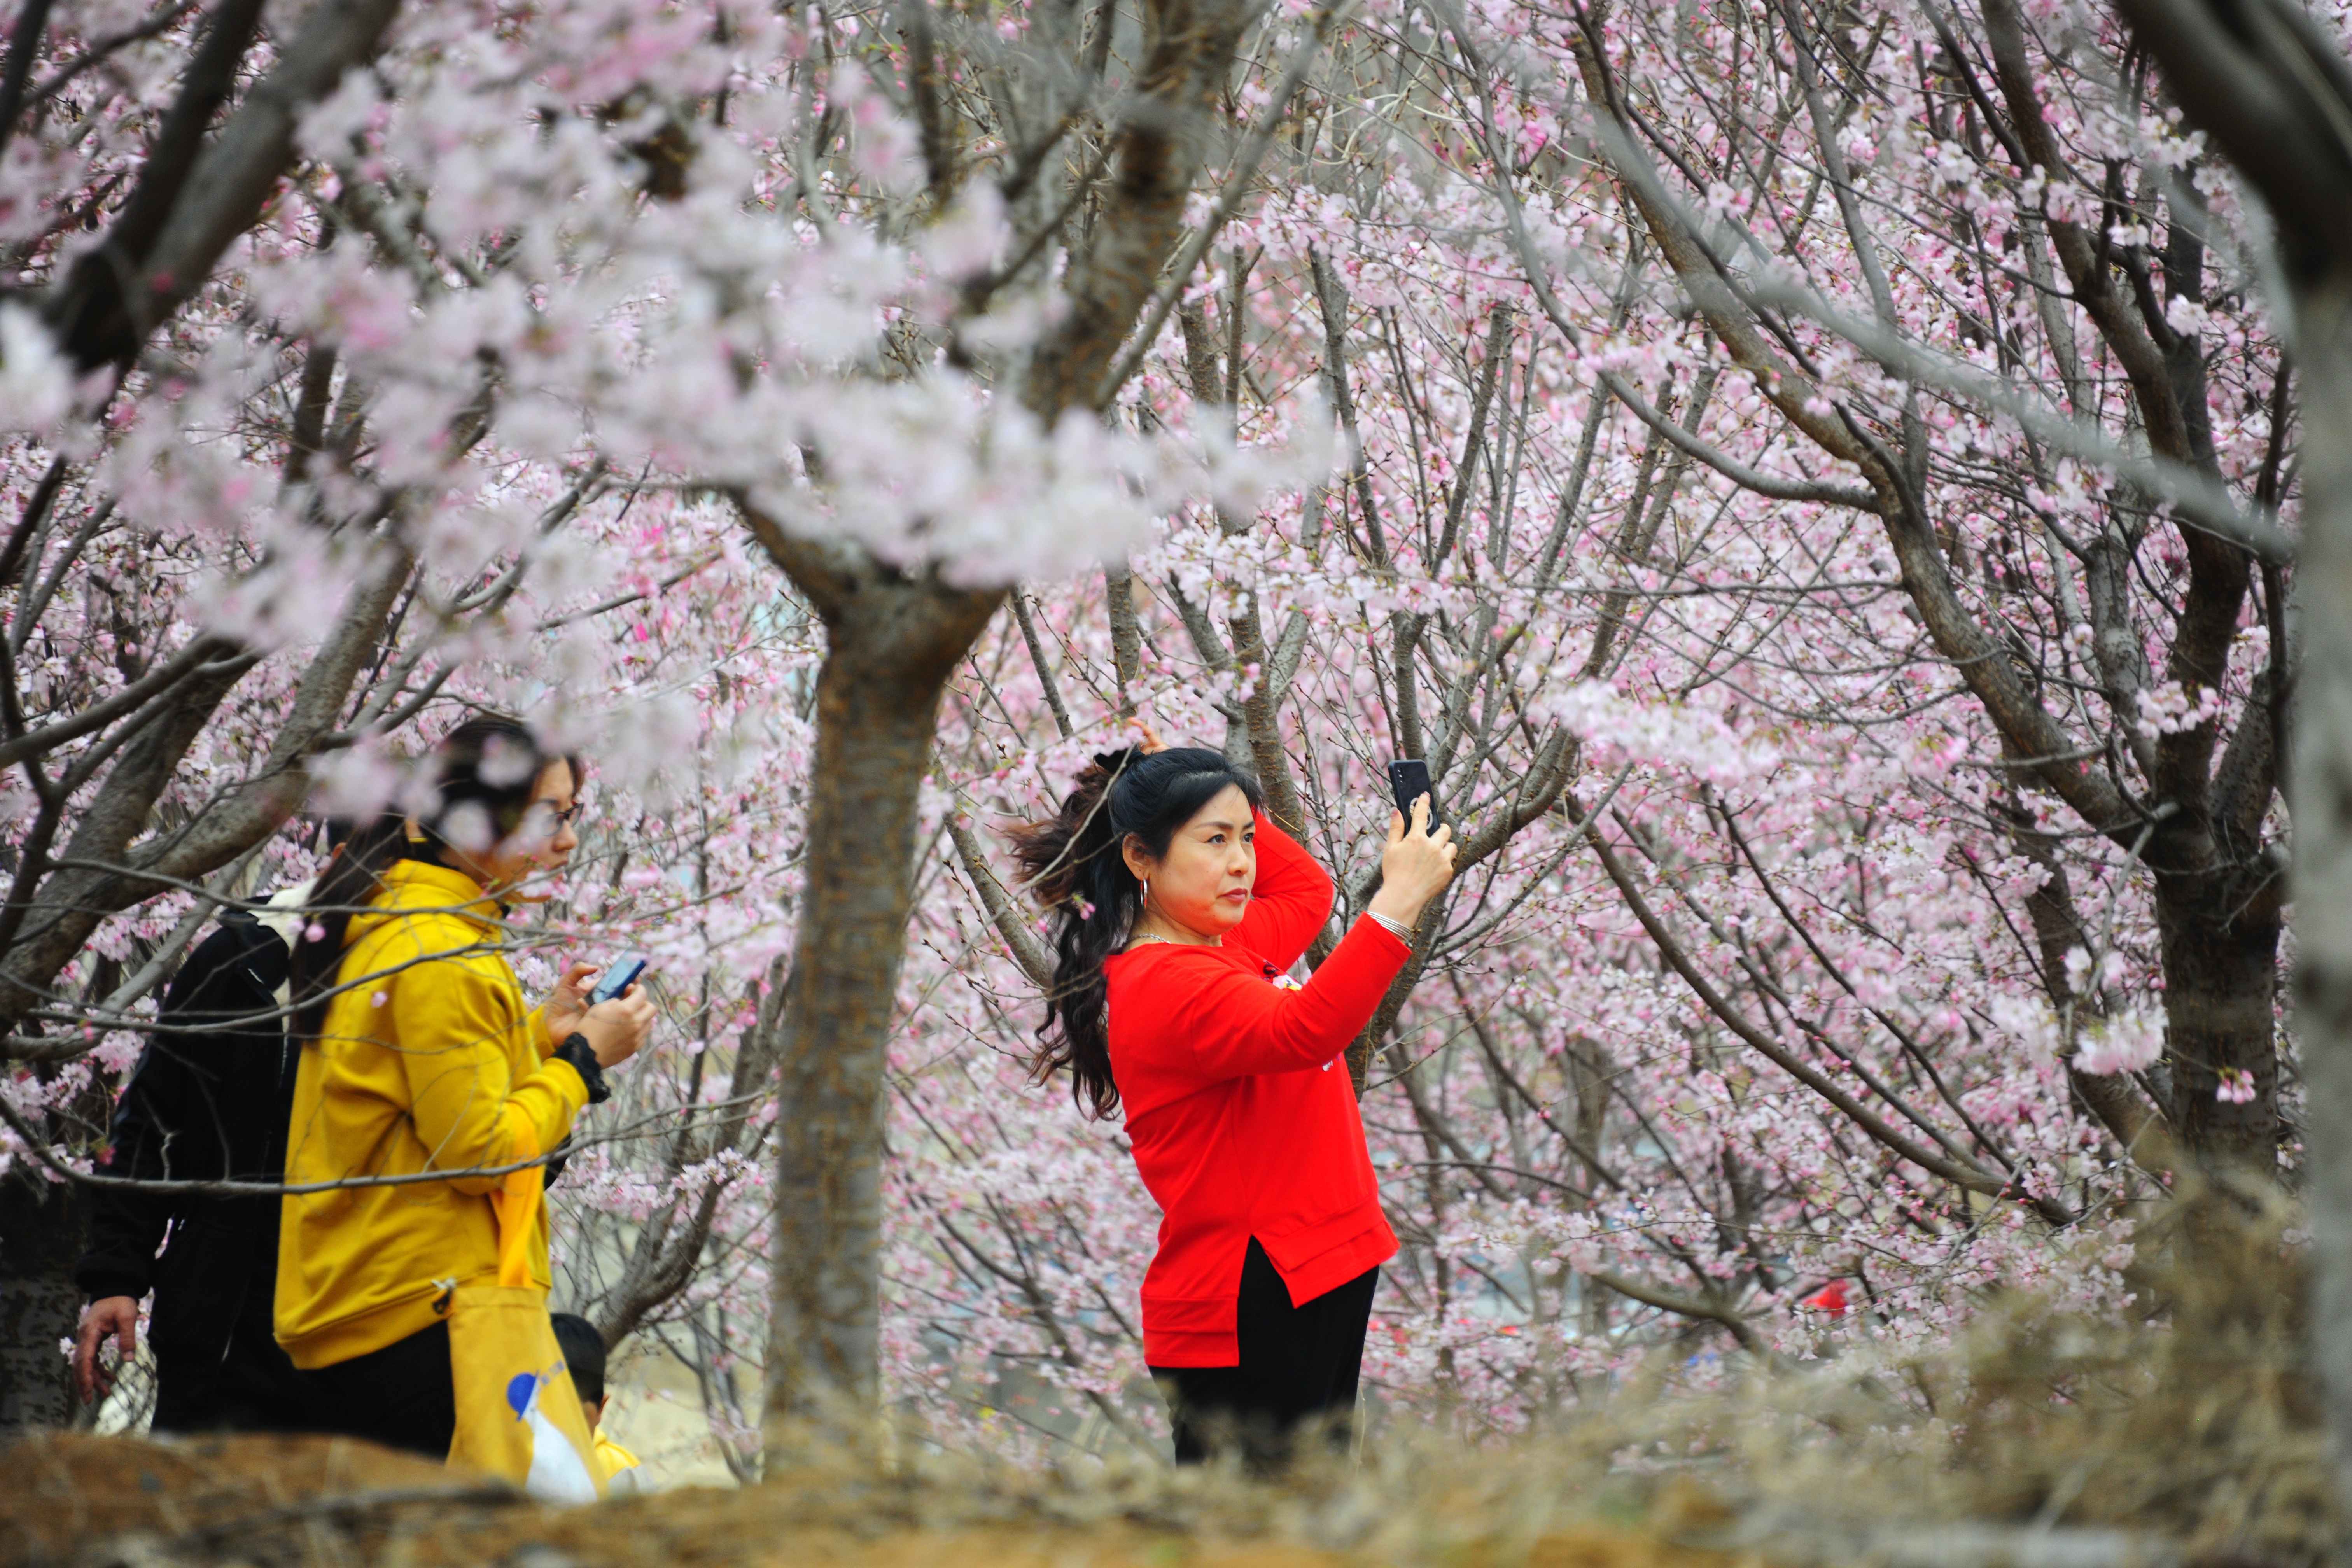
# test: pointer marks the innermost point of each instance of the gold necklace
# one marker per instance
(1141, 937)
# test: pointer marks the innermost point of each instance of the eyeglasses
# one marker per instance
(558, 816)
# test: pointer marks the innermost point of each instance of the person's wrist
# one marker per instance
(1391, 905)
(576, 1050)
(562, 1016)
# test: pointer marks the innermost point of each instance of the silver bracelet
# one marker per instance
(1396, 928)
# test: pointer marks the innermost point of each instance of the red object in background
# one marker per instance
(1830, 1298)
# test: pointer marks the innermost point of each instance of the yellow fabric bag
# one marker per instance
(517, 1413)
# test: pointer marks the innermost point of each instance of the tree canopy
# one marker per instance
(1814, 481)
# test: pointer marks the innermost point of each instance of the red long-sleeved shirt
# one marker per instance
(1239, 1107)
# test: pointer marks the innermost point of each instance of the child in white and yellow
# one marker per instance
(583, 1353)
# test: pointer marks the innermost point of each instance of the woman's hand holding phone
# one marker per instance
(1415, 866)
(617, 1030)
(568, 1003)
(614, 1030)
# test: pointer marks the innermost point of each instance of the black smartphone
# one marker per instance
(1408, 781)
(619, 978)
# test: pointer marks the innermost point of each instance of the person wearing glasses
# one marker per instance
(416, 1040)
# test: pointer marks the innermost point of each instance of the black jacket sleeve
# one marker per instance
(127, 1227)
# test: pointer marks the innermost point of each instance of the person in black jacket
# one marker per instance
(209, 1100)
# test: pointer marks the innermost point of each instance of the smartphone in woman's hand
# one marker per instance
(1408, 781)
(619, 978)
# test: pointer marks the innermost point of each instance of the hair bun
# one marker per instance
(1121, 759)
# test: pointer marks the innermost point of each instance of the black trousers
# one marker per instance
(252, 1386)
(403, 1396)
(1300, 1366)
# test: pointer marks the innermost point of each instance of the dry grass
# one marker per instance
(96, 1502)
(2187, 1440)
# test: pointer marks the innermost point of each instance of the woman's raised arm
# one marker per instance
(1290, 901)
(1233, 1023)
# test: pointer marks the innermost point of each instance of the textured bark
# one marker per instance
(2272, 93)
(2217, 931)
(892, 640)
(1006, 912)
(1126, 636)
(44, 1226)
(2322, 793)
(1188, 48)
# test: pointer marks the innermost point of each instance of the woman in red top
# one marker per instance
(1180, 909)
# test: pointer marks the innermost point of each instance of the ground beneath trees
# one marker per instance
(84, 1501)
(115, 1502)
(2189, 1437)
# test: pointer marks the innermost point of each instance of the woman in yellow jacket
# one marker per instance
(416, 1039)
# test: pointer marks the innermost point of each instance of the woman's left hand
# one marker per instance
(568, 1003)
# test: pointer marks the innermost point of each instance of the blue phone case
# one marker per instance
(617, 979)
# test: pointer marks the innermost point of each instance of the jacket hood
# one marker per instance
(413, 886)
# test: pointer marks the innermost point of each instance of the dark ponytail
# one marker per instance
(485, 767)
(1073, 867)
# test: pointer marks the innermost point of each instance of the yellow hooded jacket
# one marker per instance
(423, 1049)
(620, 1467)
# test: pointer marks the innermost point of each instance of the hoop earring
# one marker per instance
(1146, 893)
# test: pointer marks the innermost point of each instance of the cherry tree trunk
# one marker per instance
(892, 640)
(2272, 87)
(2218, 929)
(2321, 792)
(44, 1225)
